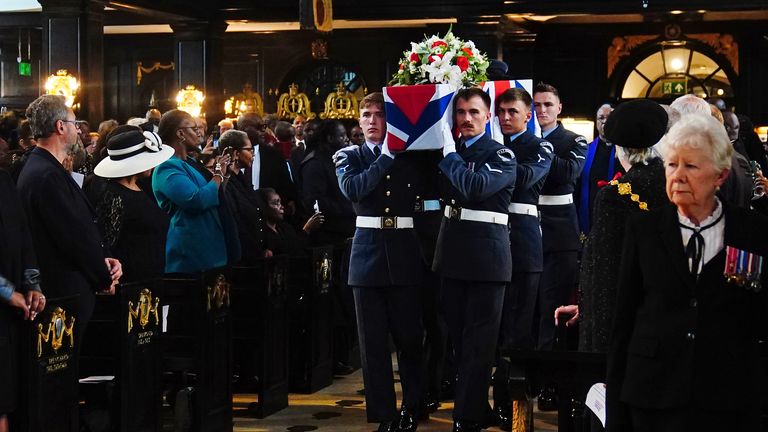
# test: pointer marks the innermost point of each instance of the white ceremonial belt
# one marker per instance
(523, 209)
(476, 215)
(556, 199)
(384, 222)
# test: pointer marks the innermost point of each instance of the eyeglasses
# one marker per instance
(77, 123)
(250, 149)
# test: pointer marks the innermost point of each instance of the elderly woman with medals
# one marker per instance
(690, 307)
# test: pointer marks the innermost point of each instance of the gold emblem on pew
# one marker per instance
(340, 104)
(218, 295)
(145, 308)
(325, 269)
(293, 103)
(57, 330)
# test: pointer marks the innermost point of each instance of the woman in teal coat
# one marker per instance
(196, 236)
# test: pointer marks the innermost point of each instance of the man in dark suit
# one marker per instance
(602, 165)
(533, 155)
(472, 253)
(385, 268)
(559, 224)
(69, 247)
(269, 166)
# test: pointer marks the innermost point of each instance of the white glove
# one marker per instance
(449, 143)
(385, 150)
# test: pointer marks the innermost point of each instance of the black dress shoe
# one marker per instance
(503, 415)
(465, 426)
(430, 405)
(387, 426)
(408, 421)
(342, 369)
(547, 400)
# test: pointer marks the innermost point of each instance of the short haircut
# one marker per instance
(375, 98)
(468, 93)
(284, 131)
(542, 87)
(170, 123)
(249, 120)
(690, 104)
(44, 112)
(24, 130)
(703, 132)
(233, 138)
(514, 95)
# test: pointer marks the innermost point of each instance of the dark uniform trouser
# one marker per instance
(473, 313)
(558, 281)
(435, 335)
(516, 329)
(382, 311)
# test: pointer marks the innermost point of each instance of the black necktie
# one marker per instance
(462, 146)
(377, 151)
(694, 250)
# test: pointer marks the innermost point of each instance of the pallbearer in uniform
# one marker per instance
(533, 156)
(559, 223)
(472, 254)
(385, 268)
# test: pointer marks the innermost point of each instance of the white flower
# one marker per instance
(440, 71)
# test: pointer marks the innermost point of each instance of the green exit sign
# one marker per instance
(673, 87)
(25, 69)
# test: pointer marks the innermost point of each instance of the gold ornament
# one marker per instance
(57, 330)
(626, 189)
(63, 84)
(145, 308)
(218, 295)
(248, 101)
(340, 104)
(293, 103)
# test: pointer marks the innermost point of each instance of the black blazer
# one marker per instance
(69, 247)
(678, 342)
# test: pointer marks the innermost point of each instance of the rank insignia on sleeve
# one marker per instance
(743, 268)
(582, 141)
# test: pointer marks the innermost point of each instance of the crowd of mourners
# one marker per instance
(650, 239)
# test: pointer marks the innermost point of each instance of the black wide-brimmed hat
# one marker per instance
(132, 152)
(636, 124)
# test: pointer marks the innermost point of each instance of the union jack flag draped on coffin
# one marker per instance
(494, 89)
(416, 116)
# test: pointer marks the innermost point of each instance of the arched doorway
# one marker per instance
(667, 69)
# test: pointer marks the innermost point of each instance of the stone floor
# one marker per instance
(340, 408)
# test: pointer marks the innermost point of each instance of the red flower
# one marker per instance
(402, 66)
(439, 43)
(462, 63)
(414, 58)
(467, 51)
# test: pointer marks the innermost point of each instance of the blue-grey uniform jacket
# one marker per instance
(559, 223)
(380, 186)
(534, 156)
(481, 177)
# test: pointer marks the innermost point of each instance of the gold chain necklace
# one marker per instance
(626, 189)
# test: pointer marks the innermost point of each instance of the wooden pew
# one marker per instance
(197, 348)
(122, 340)
(49, 401)
(310, 320)
(259, 309)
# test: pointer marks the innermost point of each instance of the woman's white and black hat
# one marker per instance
(132, 152)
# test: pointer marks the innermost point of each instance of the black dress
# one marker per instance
(245, 205)
(16, 256)
(287, 240)
(602, 251)
(134, 228)
(319, 184)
